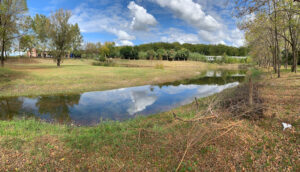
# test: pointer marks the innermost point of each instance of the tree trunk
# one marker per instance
(30, 51)
(277, 50)
(250, 91)
(293, 43)
(279, 66)
(2, 54)
(58, 62)
(295, 62)
(286, 55)
(274, 61)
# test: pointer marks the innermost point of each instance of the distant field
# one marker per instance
(42, 77)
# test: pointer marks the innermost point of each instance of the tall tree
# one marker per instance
(183, 54)
(40, 26)
(292, 11)
(171, 54)
(12, 16)
(161, 53)
(77, 39)
(27, 43)
(280, 25)
(151, 54)
(107, 50)
(61, 34)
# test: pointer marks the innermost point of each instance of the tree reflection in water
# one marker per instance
(9, 107)
(58, 107)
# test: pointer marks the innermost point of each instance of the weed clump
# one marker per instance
(105, 62)
(159, 66)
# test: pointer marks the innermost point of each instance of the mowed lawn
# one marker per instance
(42, 77)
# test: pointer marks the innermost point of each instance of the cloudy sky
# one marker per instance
(133, 22)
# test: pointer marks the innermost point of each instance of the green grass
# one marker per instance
(76, 76)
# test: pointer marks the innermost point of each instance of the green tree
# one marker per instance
(126, 52)
(40, 26)
(142, 55)
(108, 49)
(171, 54)
(27, 43)
(92, 49)
(61, 34)
(151, 54)
(77, 40)
(161, 53)
(225, 58)
(182, 54)
(12, 15)
(276, 21)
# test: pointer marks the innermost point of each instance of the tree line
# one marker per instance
(272, 33)
(159, 50)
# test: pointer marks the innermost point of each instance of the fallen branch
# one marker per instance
(193, 120)
(197, 104)
(191, 143)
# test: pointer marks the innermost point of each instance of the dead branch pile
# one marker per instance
(244, 101)
(213, 122)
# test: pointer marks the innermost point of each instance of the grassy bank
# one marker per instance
(163, 142)
(41, 76)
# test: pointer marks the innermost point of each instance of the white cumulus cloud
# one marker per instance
(210, 28)
(92, 20)
(141, 18)
(192, 13)
(124, 42)
(176, 35)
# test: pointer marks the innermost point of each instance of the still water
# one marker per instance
(120, 104)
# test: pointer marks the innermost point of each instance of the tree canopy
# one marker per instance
(63, 34)
(12, 23)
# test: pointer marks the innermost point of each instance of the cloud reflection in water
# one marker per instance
(120, 104)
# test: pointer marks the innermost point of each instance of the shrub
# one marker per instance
(197, 57)
(159, 66)
(102, 58)
(142, 55)
(107, 63)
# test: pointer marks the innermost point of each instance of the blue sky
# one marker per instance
(128, 22)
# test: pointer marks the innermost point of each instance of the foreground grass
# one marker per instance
(42, 77)
(158, 142)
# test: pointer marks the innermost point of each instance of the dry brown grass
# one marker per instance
(244, 144)
(76, 76)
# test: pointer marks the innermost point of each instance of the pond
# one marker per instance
(120, 104)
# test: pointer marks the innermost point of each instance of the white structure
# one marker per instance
(212, 58)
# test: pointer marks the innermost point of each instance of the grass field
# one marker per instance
(162, 143)
(41, 76)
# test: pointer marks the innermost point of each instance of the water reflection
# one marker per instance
(140, 100)
(120, 104)
(57, 107)
(9, 107)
